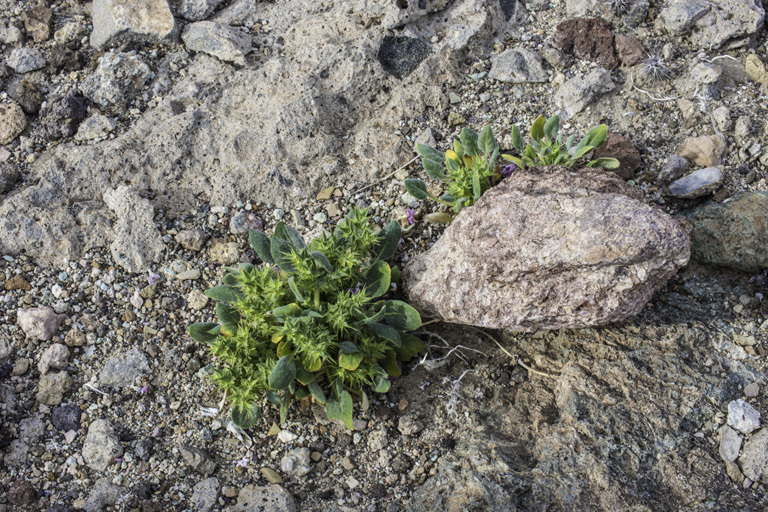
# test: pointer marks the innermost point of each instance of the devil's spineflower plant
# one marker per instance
(311, 321)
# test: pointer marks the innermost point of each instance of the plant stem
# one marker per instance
(317, 299)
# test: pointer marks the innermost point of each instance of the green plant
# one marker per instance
(314, 325)
(547, 147)
(468, 170)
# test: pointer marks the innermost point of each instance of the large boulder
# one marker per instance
(732, 234)
(277, 130)
(132, 20)
(712, 23)
(549, 248)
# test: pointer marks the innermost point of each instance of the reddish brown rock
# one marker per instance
(629, 49)
(588, 38)
(549, 248)
(621, 148)
(17, 283)
(22, 494)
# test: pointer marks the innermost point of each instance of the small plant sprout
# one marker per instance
(548, 148)
(621, 7)
(654, 68)
(311, 322)
(467, 171)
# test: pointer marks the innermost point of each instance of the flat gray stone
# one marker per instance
(730, 443)
(103, 495)
(699, 183)
(197, 10)
(101, 445)
(268, 498)
(24, 60)
(132, 20)
(574, 95)
(205, 493)
(51, 388)
(117, 80)
(222, 41)
(12, 121)
(296, 462)
(198, 459)
(742, 416)
(39, 323)
(517, 65)
(55, 356)
(754, 457)
(123, 369)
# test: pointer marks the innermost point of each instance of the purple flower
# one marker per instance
(153, 278)
(119, 459)
(400, 243)
(409, 215)
(243, 463)
(144, 390)
(506, 172)
(356, 289)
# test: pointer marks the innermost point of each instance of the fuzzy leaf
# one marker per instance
(295, 289)
(381, 385)
(280, 249)
(200, 332)
(274, 397)
(469, 142)
(228, 330)
(561, 159)
(453, 165)
(494, 157)
(377, 279)
(301, 393)
(283, 373)
(537, 128)
(314, 365)
(387, 241)
(409, 347)
(428, 152)
(260, 243)
(486, 142)
(303, 376)
(389, 363)
(316, 391)
(230, 280)
(224, 293)
(401, 316)
(387, 332)
(569, 142)
(517, 139)
(417, 188)
(321, 260)
(284, 407)
(476, 190)
(551, 127)
(605, 163)
(286, 232)
(581, 152)
(518, 162)
(333, 409)
(597, 135)
(375, 318)
(348, 347)
(459, 150)
(434, 169)
(288, 310)
(350, 361)
(284, 348)
(227, 314)
(394, 273)
(246, 417)
(346, 410)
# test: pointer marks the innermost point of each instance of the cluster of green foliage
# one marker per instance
(310, 321)
(547, 147)
(470, 169)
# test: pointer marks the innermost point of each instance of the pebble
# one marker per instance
(205, 493)
(320, 217)
(101, 445)
(742, 416)
(271, 475)
(754, 457)
(409, 426)
(730, 443)
(55, 356)
(296, 462)
(224, 252)
(325, 194)
(52, 386)
(197, 459)
(699, 183)
(123, 369)
(192, 274)
(286, 437)
(197, 300)
(751, 390)
(24, 60)
(17, 283)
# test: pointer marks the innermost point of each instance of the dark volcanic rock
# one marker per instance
(28, 95)
(21, 493)
(61, 117)
(66, 417)
(621, 148)
(400, 56)
(588, 38)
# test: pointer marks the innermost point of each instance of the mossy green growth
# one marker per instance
(310, 321)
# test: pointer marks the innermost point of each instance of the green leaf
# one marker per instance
(469, 141)
(410, 346)
(260, 243)
(322, 260)
(303, 376)
(537, 128)
(284, 407)
(476, 191)
(295, 289)
(375, 318)
(346, 410)
(286, 311)
(348, 347)
(530, 152)
(452, 164)
(281, 249)
(230, 280)
(283, 373)
(580, 153)
(486, 141)
(517, 139)
(569, 142)
(350, 361)
(428, 152)
(224, 293)
(434, 169)
(551, 127)
(387, 241)
(381, 385)
(605, 163)
(200, 332)
(494, 156)
(301, 392)
(518, 162)
(417, 189)
(597, 135)
(316, 391)
(401, 316)
(561, 159)
(246, 417)
(274, 397)
(333, 408)
(228, 330)
(389, 363)
(387, 332)
(377, 279)
(458, 149)
(394, 274)
(286, 232)
(227, 314)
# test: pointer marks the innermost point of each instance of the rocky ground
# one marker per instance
(132, 166)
